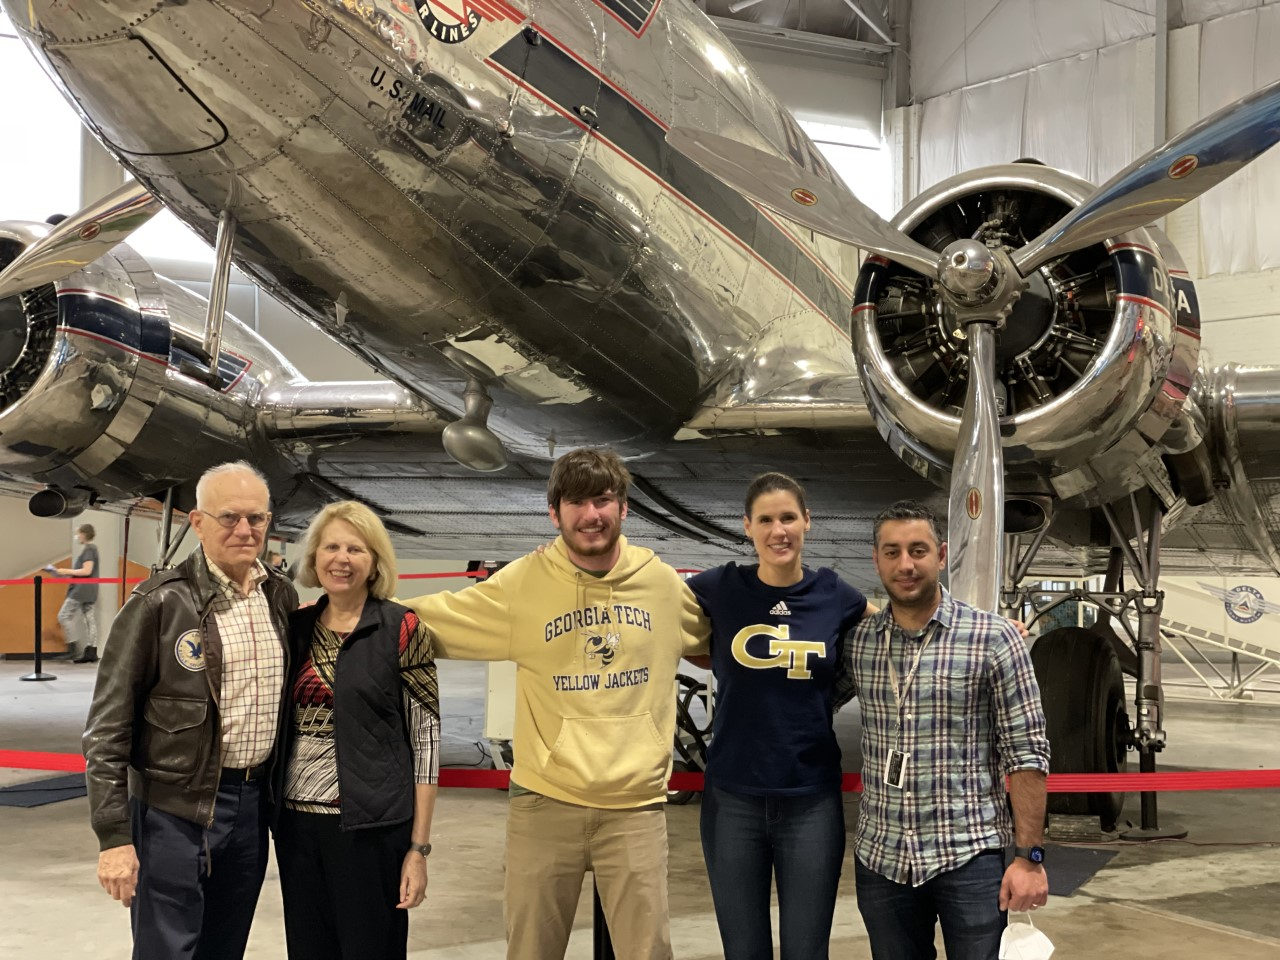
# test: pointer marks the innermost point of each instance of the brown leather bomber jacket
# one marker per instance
(153, 730)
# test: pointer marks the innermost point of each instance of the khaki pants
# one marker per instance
(550, 845)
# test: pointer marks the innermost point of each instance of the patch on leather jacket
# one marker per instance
(190, 650)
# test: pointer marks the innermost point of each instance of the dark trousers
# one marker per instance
(748, 842)
(900, 918)
(198, 887)
(341, 888)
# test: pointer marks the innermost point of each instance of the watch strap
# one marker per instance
(1034, 854)
(422, 848)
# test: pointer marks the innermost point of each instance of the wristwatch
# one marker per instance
(1034, 854)
(422, 848)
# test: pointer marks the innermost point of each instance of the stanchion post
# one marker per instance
(38, 673)
(601, 944)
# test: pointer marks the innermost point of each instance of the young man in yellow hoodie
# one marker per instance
(596, 627)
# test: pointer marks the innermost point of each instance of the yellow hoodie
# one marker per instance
(596, 664)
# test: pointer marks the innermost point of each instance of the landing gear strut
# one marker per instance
(1081, 683)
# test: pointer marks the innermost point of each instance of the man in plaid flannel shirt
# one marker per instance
(950, 708)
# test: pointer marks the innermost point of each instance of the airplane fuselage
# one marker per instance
(482, 187)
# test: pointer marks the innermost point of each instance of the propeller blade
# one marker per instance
(975, 514)
(818, 201)
(1169, 176)
(81, 239)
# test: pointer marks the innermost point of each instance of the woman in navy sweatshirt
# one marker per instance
(772, 808)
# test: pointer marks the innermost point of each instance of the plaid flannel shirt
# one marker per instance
(970, 717)
(252, 669)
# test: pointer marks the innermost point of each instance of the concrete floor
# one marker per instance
(1213, 895)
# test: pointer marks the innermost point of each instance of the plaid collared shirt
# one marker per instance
(252, 669)
(970, 716)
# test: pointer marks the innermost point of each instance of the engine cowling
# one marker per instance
(1094, 363)
(92, 403)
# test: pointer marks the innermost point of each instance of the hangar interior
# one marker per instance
(899, 96)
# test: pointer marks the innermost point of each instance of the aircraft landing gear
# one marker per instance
(1082, 689)
(1081, 681)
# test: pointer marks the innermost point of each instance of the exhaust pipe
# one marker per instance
(53, 502)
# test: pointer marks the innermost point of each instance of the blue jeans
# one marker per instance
(900, 918)
(749, 840)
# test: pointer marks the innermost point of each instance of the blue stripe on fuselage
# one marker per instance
(139, 332)
(110, 320)
(569, 84)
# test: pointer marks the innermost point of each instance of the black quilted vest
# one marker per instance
(375, 760)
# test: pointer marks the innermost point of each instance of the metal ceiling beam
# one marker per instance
(854, 52)
(872, 17)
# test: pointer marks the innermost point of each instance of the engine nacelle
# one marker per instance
(92, 403)
(1093, 366)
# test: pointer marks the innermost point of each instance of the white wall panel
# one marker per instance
(957, 43)
(1197, 11)
(819, 88)
(1000, 39)
(40, 162)
(1121, 107)
(1049, 89)
(1091, 115)
(937, 48)
(991, 116)
(939, 137)
(1239, 227)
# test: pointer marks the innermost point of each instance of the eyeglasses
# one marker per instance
(232, 520)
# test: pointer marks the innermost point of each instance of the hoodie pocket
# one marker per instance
(610, 757)
(172, 732)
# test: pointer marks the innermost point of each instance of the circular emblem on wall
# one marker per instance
(189, 651)
(445, 25)
(973, 503)
(1244, 604)
(806, 198)
(90, 230)
(1183, 166)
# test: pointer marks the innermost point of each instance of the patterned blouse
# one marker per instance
(311, 780)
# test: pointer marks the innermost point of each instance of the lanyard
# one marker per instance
(899, 695)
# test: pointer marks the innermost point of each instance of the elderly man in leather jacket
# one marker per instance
(180, 741)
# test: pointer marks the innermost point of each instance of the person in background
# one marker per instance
(77, 617)
(772, 809)
(950, 708)
(362, 742)
(181, 736)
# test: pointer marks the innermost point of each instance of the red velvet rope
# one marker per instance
(1058, 782)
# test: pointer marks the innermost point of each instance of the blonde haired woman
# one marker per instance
(354, 829)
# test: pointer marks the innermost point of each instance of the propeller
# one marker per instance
(80, 239)
(814, 200)
(980, 286)
(1164, 179)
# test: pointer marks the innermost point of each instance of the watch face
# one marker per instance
(1037, 855)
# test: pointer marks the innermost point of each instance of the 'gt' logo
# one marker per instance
(783, 651)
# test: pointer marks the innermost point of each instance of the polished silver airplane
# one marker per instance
(556, 224)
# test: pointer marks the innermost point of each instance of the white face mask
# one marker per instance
(1022, 941)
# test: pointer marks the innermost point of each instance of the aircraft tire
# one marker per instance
(1082, 690)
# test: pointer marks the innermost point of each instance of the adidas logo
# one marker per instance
(780, 610)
